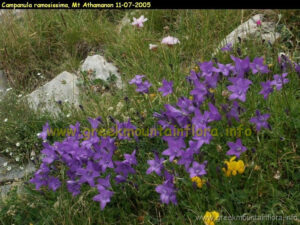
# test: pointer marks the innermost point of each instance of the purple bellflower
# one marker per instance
(236, 148)
(103, 198)
(266, 89)
(167, 88)
(258, 66)
(242, 66)
(279, 81)
(227, 48)
(239, 88)
(167, 190)
(197, 169)
(156, 165)
(260, 120)
(175, 146)
(44, 133)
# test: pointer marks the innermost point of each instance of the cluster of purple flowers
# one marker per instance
(142, 87)
(278, 82)
(92, 161)
(200, 112)
(87, 162)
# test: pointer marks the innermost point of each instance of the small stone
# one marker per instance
(102, 68)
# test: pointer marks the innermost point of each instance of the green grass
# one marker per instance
(52, 41)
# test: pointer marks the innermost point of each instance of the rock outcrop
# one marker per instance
(62, 89)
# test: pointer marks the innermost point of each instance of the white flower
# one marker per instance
(152, 46)
(5, 164)
(68, 115)
(10, 153)
(170, 40)
(17, 159)
(110, 109)
(38, 134)
(277, 175)
(139, 22)
(17, 144)
(5, 120)
(20, 95)
(8, 89)
(66, 100)
(32, 158)
(7, 150)
(39, 74)
(8, 168)
(21, 167)
(119, 106)
(126, 118)
(32, 153)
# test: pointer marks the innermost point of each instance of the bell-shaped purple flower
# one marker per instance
(239, 88)
(236, 148)
(167, 87)
(279, 81)
(197, 169)
(258, 66)
(260, 120)
(156, 165)
(266, 88)
(103, 198)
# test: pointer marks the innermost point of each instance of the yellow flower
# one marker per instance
(270, 65)
(256, 167)
(211, 217)
(196, 69)
(152, 96)
(211, 90)
(191, 98)
(199, 182)
(233, 167)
